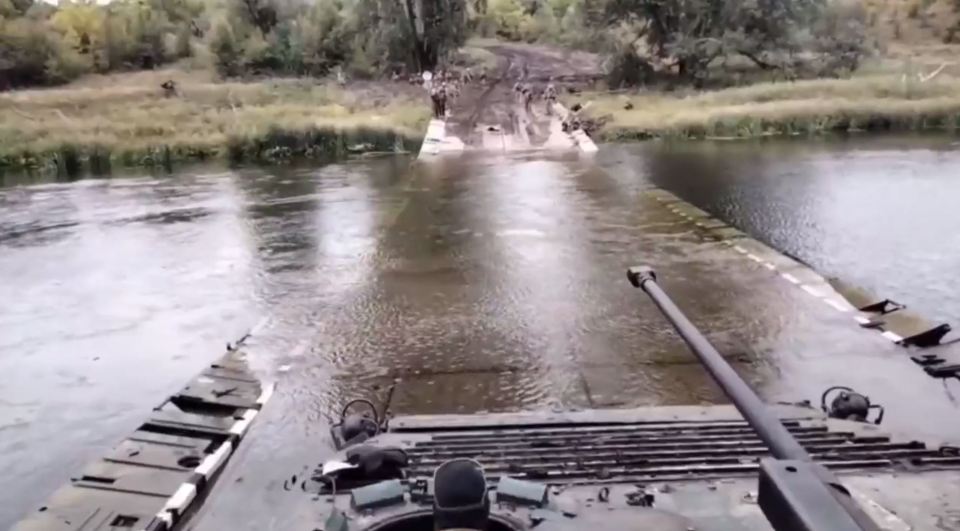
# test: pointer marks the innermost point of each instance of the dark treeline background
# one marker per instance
(44, 44)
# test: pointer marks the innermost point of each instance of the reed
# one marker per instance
(783, 108)
(131, 122)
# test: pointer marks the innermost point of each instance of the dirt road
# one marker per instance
(488, 115)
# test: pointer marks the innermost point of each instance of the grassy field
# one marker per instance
(126, 119)
(884, 102)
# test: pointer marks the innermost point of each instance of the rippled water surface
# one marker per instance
(883, 213)
(479, 284)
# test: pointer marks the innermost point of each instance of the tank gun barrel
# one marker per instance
(768, 427)
(795, 493)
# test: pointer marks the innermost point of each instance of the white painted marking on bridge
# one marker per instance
(836, 305)
(823, 294)
(181, 498)
(240, 427)
(162, 515)
(266, 394)
(300, 348)
(214, 461)
(892, 336)
(521, 232)
(261, 324)
(812, 290)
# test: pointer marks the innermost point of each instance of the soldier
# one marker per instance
(436, 100)
(526, 96)
(169, 88)
(572, 122)
(443, 94)
(550, 95)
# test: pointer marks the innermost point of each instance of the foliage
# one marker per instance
(31, 52)
(688, 36)
(503, 18)
(42, 44)
(226, 48)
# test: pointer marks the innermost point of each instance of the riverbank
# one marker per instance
(875, 103)
(127, 120)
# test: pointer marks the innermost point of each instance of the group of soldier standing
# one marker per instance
(525, 95)
(444, 86)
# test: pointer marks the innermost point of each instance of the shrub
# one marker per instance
(227, 50)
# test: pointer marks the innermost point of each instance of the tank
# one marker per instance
(744, 466)
(663, 468)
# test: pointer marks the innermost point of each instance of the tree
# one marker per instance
(81, 25)
(691, 34)
(437, 27)
(261, 14)
(226, 48)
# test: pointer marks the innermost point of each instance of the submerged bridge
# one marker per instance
(208, 457)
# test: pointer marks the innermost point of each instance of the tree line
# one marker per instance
(43, 44)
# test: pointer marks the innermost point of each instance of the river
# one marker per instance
(479, 284)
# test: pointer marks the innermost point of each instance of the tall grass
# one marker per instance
(802, 107)
(134, 123)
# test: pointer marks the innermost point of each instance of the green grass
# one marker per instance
(783, 108)
(125, 119)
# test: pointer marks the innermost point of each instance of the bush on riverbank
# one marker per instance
(46, 43)
(133, 123)
(785, 108)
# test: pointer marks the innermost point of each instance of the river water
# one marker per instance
(479, 284)
(881, 213)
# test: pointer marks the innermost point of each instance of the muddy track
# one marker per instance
(482, 101)
(495, 104)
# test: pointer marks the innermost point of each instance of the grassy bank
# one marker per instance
(125, 119)
(784, 108)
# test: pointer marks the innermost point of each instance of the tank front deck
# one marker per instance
(694, 466)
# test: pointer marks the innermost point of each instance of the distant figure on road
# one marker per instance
(526, 96)
(169, 88)
(444, 98)
(453, 91)
(572, 121)
(550, 95)
(435, 98)
(341, 77)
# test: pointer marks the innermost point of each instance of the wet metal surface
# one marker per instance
(481, 284)
(161, 471)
